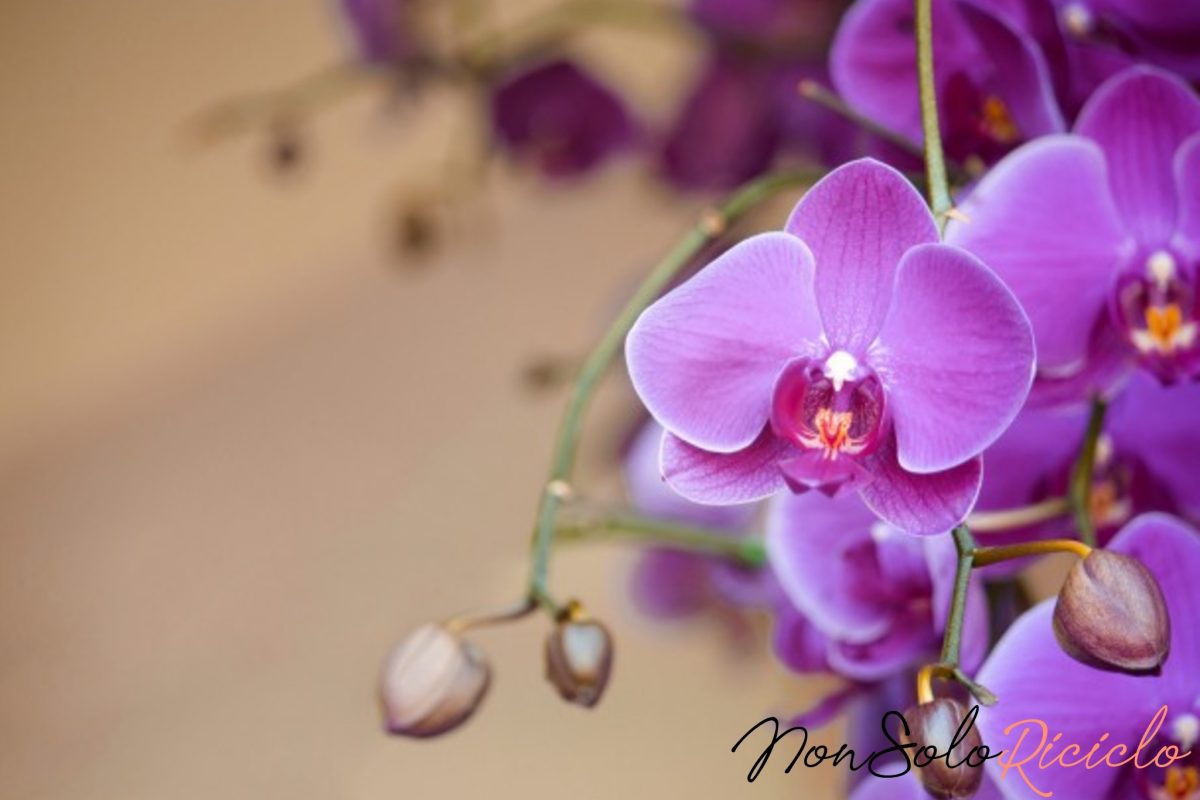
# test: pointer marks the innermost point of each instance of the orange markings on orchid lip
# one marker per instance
(1072, 755)
(1163, 324)
(998, 122)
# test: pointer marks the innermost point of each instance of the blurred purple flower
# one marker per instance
(878, 595)
(559, 118)
(1098, 234)
(993, 84)
(1144, 461)
(674, 583)
(1036, 680)
(849, 351)
(384, 30)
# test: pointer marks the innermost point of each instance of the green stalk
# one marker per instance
(935, 160)
(1084, 469)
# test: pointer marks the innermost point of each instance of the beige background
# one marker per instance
(241, 450)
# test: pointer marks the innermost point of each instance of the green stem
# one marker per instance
(964, 543)
(1081, 474)
(985, 556)
(935, 161)
(748, 551)
(711, 225)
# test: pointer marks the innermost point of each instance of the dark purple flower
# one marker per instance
(559, 118)
(675, 583)
(1036, 681)
(878, 595)
(993, 85)
(849, 351)
(1098, 234)
(384, 30)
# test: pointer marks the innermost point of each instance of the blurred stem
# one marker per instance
(1010, 518)
(986, 556)
(747, 551)
(464, 622)
(1081, 474)
(711, 225)
(949, 667)
(935, 161)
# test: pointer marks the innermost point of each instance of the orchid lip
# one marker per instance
(1154, 305)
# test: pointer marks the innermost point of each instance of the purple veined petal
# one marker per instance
(798, 643)
(670, 584)
(1018, 671)
(858, 221)
(1187, 183)
(822, 553)
(1047, 438)
(720, 479)
(956, 353)
(1140, 118)
(1022, 81)
(872, 59)
(920, 504)
(650, 495)
(704, 357)
(1107, 363)
(1170, 549)
(909, 639)
(1161, 427)
(1052, 197)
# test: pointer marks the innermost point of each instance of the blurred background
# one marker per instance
(245, 444)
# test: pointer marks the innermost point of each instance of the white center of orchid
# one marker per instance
(1077, 19)
(1161, 267)
(841, 367)
(1186, 730)
(881, 532)
(1104, 449)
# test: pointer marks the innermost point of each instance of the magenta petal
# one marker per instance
(1187, 180)
(705, 356)
(907, 640)
(724, 478)
(920, 504)
(1036, 680)
(1140, 118)
(1048, 438)
(819, 549)
(858, 221)
(1160, 425)
(797, 642)
(957, 355)
(1051, 197)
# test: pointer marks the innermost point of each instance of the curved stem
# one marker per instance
(986, 556)
(464, 622)
(1081, 474)
(1010, 518)
(935, 162)
(711, 225)
(952, 643)
(749, 551)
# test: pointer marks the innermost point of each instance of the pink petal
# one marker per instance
(1187, 180)
(724, 478)
(705, 356)
(920, 504)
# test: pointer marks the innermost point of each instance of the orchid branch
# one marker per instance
(711, 225)
(747, 551)
(1081, 474)
(935, 160)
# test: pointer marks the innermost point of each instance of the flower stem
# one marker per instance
(1081, 474)
(1010, 518)
(935, 160)
(986, 556)
(711, 225)
(748, 551)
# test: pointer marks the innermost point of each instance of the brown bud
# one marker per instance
(432, 682)
(579, 655)
(1111, 614)
(946, 740)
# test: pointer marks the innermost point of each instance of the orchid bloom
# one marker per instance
(850, 351)
(1036, 681)
(1098, 234)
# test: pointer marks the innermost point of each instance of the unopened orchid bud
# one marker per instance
(579, 654)
(947, 741)
(432, 682)
(1111, 614)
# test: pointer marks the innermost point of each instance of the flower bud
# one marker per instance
(955, 771)
(1111, 614)
(579, 655)
(432, 682)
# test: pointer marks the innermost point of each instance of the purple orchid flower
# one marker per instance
(1098, 234)
(1036, 680)
(994, 87)
(673, 583)
(849, 351)
(560, 118)
(878, 595)
(383, 30)
(1144, 461)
